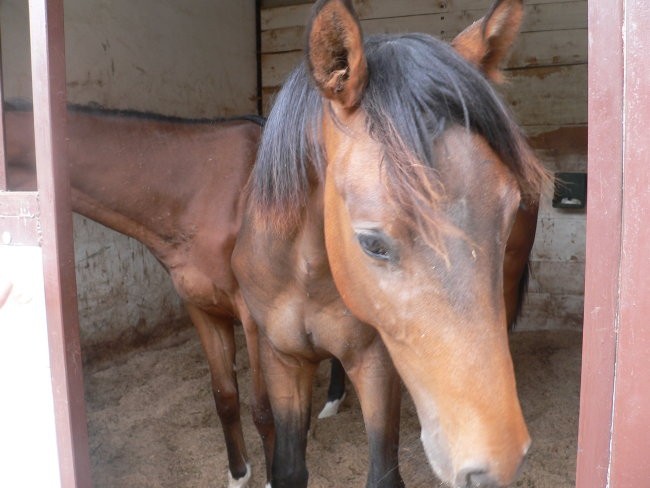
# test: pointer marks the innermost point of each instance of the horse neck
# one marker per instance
(144, 177)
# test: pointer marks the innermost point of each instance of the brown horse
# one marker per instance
(385, 188)
(176, 187)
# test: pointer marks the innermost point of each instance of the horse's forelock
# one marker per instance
(418, 87)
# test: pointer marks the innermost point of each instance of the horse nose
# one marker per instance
(475, 477)
(479, 476)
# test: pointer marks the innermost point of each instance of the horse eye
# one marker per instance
(376, 245)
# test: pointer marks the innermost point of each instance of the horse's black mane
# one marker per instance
(423, 86)
(21, 105)
(418, 86)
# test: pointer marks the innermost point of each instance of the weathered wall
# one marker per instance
(195, 58)
(123, 291)
(546, 86)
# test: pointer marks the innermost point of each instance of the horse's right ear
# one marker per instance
(487, 41)
(335, 52)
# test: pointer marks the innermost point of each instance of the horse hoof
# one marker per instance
(331, 408)
(240, 482)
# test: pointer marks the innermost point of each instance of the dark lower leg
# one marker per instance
(379, 391)
(336, 389)
(289, 382)
(384, 467)
(289, 466)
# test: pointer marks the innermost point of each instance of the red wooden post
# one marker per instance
(3, 152)
(48, 80)
(603, 241)
(631, 426)
(615, 398)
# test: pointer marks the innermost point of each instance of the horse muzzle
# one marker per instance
(473, 473)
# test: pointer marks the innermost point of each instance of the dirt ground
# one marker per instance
(152, 421)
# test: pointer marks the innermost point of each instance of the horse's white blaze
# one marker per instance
(240, 482)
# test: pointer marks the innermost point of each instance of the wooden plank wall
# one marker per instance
(546, 87)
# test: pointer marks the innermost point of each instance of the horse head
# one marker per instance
(424, 173)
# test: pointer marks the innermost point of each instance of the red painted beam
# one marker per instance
(631, 427)
(614, 436)
(49, 96)
(3, 150)
(604, 227)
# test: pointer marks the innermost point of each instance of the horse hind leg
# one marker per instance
(218, 341)
(336, 391)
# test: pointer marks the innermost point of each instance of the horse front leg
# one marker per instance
(378, 388)
(218, 340)
(289, 381)
(260, 404)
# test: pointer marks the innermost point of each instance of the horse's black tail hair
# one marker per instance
(521, 296)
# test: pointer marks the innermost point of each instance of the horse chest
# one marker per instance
(294, 312)
(314, 278)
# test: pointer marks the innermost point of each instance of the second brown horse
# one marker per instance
(174, 185)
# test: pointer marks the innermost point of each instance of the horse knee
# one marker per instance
(262, 416)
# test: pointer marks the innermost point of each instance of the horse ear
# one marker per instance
(487, 41)
(335, 52)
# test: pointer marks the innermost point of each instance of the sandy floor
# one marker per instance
(152, 422)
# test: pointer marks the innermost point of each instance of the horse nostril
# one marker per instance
(478, 475)
(475, 478)
(481, 480)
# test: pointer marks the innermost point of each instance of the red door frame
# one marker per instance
(52, 230)
(614, 432)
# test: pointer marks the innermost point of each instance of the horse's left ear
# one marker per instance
(487, 41)
(335, 52)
